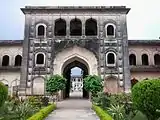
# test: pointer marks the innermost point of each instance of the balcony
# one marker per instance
(145, 68)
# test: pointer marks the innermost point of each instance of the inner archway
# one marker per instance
(77, 80)
(69, 56)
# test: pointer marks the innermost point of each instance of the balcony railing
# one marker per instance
(145, 68)
(10, 68)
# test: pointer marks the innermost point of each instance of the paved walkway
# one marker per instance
(74, 108)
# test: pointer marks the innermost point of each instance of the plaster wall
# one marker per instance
(11, 51)
(143, 75)
(140, 50)
(11, 79)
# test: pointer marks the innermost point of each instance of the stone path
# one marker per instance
(73, 109)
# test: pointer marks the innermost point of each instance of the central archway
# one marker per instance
(75, 57)
(66, 70)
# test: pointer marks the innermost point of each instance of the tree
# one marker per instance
(93, 84)
(3, 93)
(55, 83)
(146, 98)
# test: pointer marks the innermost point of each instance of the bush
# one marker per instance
(102, 100)
(146, 98)
(45, 101)
(3, 93)
(101, 113)
(43, 113)
(117, 112)
(21, 111)
(125, 100)
(55, 83)
(35, 101)
(24, 110)
(93, 84)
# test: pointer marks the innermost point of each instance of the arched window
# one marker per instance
(41, 30)
(75, 27)
(157, 59)
(5, 60)
(91, 27)
(18, 60)
(60, 27)
(110, 59)
(145, 59)
(40, 58)
(132, 59)
(110, 30)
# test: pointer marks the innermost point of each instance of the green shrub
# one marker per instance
(125, 100)
(35, 101)
(25, 110)
(117, 112)
(101, 113)
(54, 84)
(146, 98)
(120, 98)
(139, 116)
(102, 99)
(45, 101)
(3, 93)
(21, 111)
(43, 113)
(93, 84)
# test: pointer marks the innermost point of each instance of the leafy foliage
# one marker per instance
(101, 113)
(45, 101)
(3, 93)
(35, 101)
(93, 84)
(102, 99)
(139, 116)
(125, 100)
(12, 111)
(43, 113)
(55, 83)
(25, 110)
(117, 112)
(146, 98)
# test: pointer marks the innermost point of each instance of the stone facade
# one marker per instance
(93, 51)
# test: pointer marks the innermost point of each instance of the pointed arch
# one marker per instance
(110, 30)
(40, 58)
(41, 30)
(132, 59)
(157, 59)
(60, 27)
(110, 59)
(145, 59)
(91, 27)
(18, 60)
(75, 27)
(5, 60)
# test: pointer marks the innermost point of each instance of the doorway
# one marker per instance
(75, 72)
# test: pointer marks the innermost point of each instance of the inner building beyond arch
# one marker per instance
(74, 86)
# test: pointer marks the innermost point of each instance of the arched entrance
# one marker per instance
(68, 65)
(75, 57)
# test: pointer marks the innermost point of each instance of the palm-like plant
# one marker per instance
(117, 112)
(12, 111)
(25, 110)
(7, 110)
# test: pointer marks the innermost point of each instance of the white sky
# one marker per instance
(143, 19)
